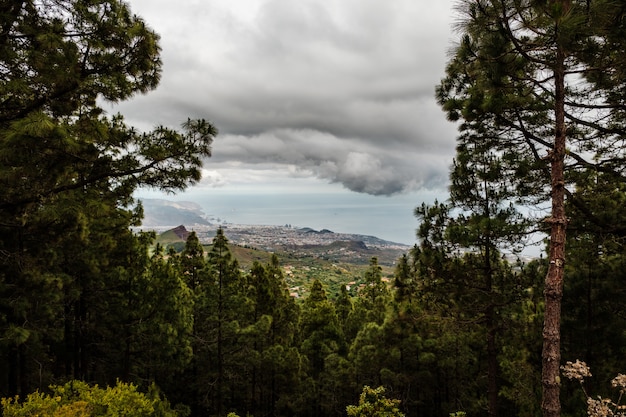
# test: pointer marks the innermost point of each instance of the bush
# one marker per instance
(372, 403)
(79, 399)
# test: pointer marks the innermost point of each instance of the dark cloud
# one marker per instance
(361, 166)
(343, 91)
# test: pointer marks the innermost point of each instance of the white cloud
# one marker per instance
(212, 179)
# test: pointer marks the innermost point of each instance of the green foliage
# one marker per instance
(167, 322)
(512, 86)
(369, 354)
(219, 311)
(193, 263)
(78, 399)
(320, 332)
(73, 279)
(373, 403)
(462, 279)
(62, 58)
(592, 331)
(320, 339)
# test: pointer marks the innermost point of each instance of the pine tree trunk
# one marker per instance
(492, 364)
(553, 290)
(13, 377)
(492, 351)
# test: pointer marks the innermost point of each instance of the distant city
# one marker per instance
(273, 237)
(162, 215)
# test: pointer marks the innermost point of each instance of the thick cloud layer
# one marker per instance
(342, 90)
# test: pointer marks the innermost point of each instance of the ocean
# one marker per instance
(388, 218)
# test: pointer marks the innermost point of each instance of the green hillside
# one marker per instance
(302, 264)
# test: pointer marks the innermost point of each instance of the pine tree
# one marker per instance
(545, 78)
(320, 338)
(68, 175)
(193, 263)
(344, 306)
(372, 299)
(274, 358)
(220, 303)
(465, 238)
(593, 330)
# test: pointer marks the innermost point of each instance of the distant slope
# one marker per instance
(284, 240)
(164, 213)
(175, 235)
(298, 243)
(335, 264)
(354, 252)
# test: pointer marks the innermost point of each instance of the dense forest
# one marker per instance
(97, 315)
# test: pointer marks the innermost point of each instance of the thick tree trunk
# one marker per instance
(492, 351)
(13, 375)
(220, 339)
(492, 364)
(553, 290)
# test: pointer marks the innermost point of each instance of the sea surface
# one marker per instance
(388, 218)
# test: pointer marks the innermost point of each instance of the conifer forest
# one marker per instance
(97, 318)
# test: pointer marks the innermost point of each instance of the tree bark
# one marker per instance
(492, 364)
(553, 289)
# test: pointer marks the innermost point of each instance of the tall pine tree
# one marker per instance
(546, 77)
(68, 169)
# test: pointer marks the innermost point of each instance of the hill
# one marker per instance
(301, 243)
(333, 258)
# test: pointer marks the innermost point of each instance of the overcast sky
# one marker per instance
(317, 94)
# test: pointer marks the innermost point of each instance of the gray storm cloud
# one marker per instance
(341, 90)
(357, 165)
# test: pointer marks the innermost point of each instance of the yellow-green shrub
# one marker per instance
(79, 399)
